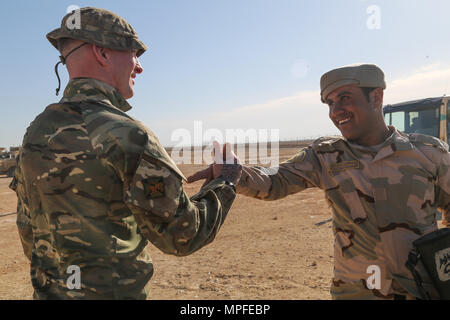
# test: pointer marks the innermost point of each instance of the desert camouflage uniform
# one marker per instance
(93, 185)
(381, 202)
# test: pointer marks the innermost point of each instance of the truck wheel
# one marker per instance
(11, 172)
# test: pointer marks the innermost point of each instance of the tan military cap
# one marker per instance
(99, 26)
(361, 75)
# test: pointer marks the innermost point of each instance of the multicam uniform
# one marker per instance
(93, 185)
(382, 199)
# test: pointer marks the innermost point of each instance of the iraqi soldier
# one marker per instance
(384, 187)
(95, 185)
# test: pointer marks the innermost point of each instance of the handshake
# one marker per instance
(226, 165)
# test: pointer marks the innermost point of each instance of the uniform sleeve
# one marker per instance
(24, 228)
(296, 174)
(165, 214)
(443, 182)
(23, 221)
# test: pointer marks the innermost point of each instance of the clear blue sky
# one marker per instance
(233, 63)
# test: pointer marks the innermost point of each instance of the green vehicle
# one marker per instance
(8, 161)
(429, 116)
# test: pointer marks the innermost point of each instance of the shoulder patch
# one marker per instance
(299, 157)
(423, 139)
(154, 187)
(327, 144)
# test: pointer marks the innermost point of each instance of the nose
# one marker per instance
(335, 109)
(138, 68)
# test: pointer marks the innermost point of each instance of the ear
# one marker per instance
(101, 55)
(377, 97)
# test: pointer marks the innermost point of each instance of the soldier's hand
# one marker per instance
(226, 164)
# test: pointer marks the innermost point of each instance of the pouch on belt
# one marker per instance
(433, 251)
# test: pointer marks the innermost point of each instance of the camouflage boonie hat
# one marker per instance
(101, 27)
(361, 75)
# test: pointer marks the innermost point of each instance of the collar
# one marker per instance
(397, 141)
(89, 89)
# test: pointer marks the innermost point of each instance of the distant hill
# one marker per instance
(281, 145)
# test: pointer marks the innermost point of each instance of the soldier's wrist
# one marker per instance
(231, 173)
(231, 184)
(218, 183)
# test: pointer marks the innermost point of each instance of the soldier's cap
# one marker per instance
(361, 75)
(98, 26)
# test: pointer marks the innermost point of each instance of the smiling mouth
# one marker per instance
(343, 121)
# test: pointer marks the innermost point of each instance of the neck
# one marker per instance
(377, 138)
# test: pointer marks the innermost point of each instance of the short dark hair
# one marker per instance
(366, 91)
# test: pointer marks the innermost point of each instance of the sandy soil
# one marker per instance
(265, 250)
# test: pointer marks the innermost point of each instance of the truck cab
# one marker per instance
(429, 116)
(8, 160)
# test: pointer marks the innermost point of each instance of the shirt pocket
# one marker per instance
(357, 211)
(67, 230)
(354, 201)
(422, 202)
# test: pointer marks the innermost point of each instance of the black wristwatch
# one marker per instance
(231, 184)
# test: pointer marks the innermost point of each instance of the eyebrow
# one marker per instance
(343, 93)
(328, 101)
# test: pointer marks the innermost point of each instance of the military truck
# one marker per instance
(429, 116)
(8, 160)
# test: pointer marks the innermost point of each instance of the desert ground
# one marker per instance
(264, 250)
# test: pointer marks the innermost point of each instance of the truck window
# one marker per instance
(422, 121)
(429, 122)
(413, 123)
(387, 118)
(398, 120)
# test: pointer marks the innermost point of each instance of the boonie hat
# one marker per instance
(101, 27)
(98, 26)
(361, 75)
